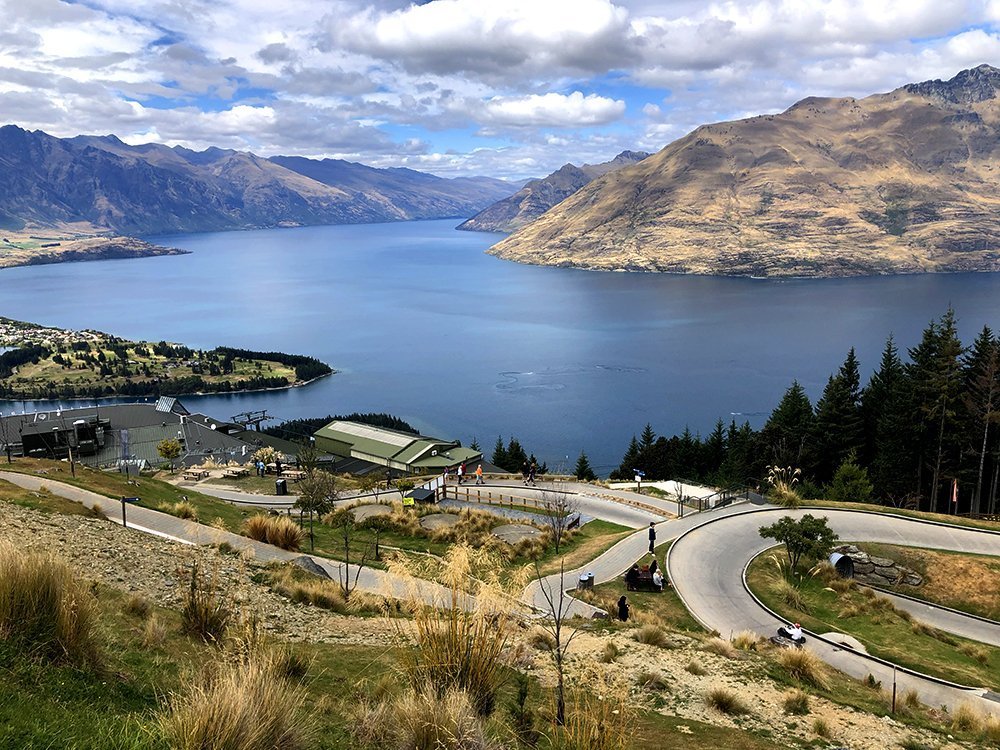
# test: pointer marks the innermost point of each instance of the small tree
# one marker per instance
(170, 449)
(308, 457)
(560, 509)
(267, 455)
(378, 524)
(559, 606)
(809, 536)
(584, 472)
(346, 525)
(317, 492)
(850, 483)
(369, 483)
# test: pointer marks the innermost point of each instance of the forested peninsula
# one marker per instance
(53, 363)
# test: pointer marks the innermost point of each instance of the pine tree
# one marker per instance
(838, 429)
(584, 472)
(474, 445)
(936, 378)
(981, 402)
(785, 436)
(629, 461)
(888, 416)
(500, 457)
(516, 456)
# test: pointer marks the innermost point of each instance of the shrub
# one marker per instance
(821, 728)
(726, 701)
(789, 593)
(241, 705)
(696, 668)
(652, 635)
(204, 613)
(746, 640)
(795, 702)
(46, 609)
(803, 665)
(609, 653)
(966, 719)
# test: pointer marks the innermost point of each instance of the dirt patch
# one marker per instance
(512, 533)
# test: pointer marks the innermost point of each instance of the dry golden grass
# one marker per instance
(721, 647)
(803, 665)
(991, 730)
(961, 581)
(138, 606)
(421, 720)
(979, 653)
(255, 527)
(239, 705)
(821, 728)
(652, 635)
(186, 510)
(967, 719)
(154, 632)
(277, 530)
(321, 592)
(747, 640)
(600, 716)
(789, 594)
(795, 702)
(726, 701)
(911, 699)
(696, 668)
(609, 653)
(204, 613)
(46, 609)
(541, 639)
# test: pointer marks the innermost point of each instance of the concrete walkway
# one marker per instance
(706, 568)
(164, 525)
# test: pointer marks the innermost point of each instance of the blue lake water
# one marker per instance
(422, 324)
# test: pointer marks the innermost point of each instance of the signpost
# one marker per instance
(124, 501)
(638, 480)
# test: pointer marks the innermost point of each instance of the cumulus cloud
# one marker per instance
(553, 110)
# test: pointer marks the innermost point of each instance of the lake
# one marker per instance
(422, 324)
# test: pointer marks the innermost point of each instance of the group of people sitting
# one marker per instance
(647, 577)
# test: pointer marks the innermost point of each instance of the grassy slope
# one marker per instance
(884, 632)
(43, 706)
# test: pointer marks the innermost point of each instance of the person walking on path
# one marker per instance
(479, 474)
(531, 473)
(652, 536)
(623, 609)
(461, 472)
(525, 468)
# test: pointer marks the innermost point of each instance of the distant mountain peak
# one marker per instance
(968, 86)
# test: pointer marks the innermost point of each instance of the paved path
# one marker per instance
(706, 567)
(190, 532)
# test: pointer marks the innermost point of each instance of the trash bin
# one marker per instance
(280, 487)
(582, 583)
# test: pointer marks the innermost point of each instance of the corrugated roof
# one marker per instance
(368, 432)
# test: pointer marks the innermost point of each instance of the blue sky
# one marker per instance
(510, 88)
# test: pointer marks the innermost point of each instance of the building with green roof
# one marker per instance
(396, 450)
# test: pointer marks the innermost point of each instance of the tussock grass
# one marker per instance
(204, 614)
(541, 639)
(726, 701)
(46, 609)
(138, 606)
(277, 530)
(184, 509)
(991, 730)
(652, 635)
(154, 632)
(911, 699)
(609, 653)
(651, 680)
(795, 702)
(747, 640)
(979, 653)
(601, 716)
(696, 668)
(240, 705)
(422, 720)
(803, 665)
(721, 647)
(967, 719)
(821, 728)
(790, 594)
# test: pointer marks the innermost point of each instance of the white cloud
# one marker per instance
(553, 110)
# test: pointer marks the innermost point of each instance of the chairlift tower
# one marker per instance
(255, 418)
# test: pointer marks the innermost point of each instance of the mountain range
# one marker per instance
(101, 184)
(902, 182)
(538, 196)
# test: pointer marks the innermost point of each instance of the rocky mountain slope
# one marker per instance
(105, 185)
(902, 182)
(538, 196)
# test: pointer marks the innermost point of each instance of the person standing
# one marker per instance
(623, 608)
(479, 474)
(525, 468)
(653, 566)
(532, 470)
(652, 536)
(461, 472)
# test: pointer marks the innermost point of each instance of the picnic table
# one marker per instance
(195, 474)
(236, 473)
(643, 581)
(294, 474)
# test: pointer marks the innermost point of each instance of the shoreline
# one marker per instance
(171, 395)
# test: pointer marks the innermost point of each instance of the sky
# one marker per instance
(506, 88)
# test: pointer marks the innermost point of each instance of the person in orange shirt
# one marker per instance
(479, 474)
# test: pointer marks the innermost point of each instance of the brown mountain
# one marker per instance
(538, 196)
(102, 185)
(902, 182)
